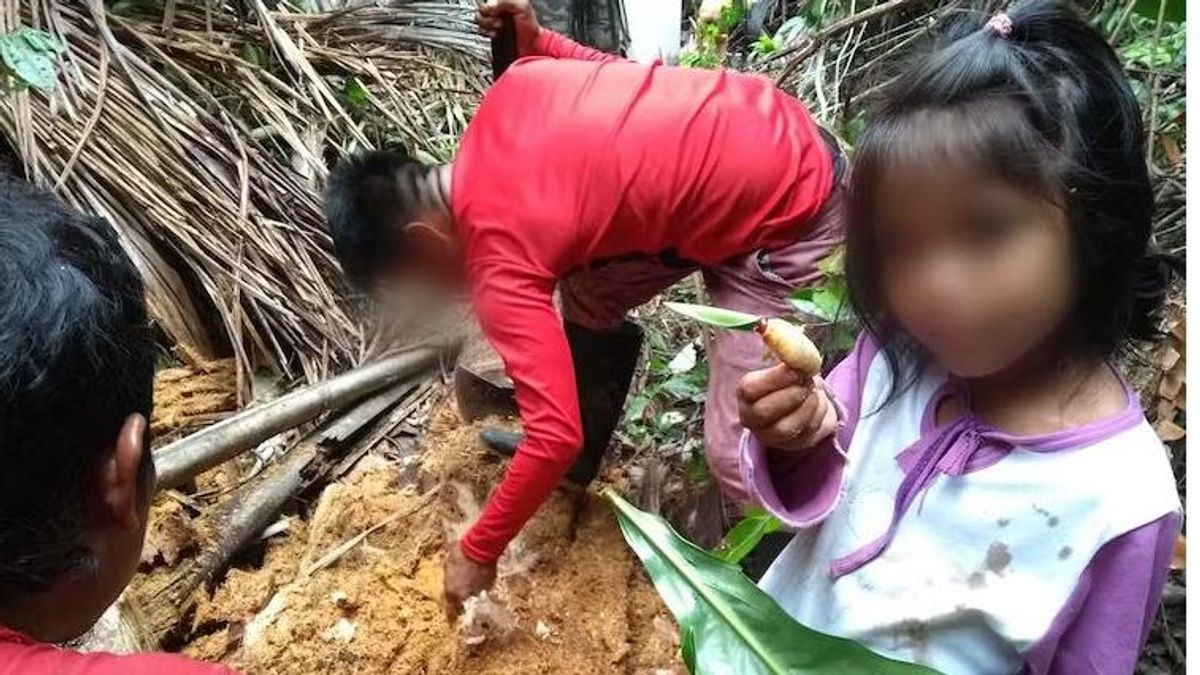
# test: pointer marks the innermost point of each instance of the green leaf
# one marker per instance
(714, 316)
(252, 52)
(746, 535)
(1174, 11)
(41, 41)
(32, 66)
(765, 45)
(729, 625)
(356, 94)
(827, 302)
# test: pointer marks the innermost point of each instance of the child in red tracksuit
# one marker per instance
(76, 374)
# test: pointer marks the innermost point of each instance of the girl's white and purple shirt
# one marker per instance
(964, 548)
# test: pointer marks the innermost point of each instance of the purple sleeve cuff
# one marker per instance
(1102, 628)
(800, 489)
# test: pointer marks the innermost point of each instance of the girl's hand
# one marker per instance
(784, 411)
(490, 19)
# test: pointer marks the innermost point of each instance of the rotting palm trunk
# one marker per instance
(184, 459)
(251, 508)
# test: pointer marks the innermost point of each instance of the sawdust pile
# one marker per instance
(193, 395)
(327, 600)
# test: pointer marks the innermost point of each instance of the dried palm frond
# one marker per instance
(205, 136)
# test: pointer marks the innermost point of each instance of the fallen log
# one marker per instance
(253, 506)
(182, 460)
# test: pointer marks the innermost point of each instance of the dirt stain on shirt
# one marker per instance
(998, 558)
(1065, 552)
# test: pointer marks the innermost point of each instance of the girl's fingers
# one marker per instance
(759, 383)
(820, 425)
(773, 407)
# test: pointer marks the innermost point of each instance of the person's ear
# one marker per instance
(120, 479)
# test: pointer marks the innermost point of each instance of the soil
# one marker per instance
(577, 599)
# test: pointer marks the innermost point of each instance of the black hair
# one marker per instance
(1041, 100)
(76, 359)
(367, 195)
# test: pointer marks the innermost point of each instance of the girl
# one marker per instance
(1005, 506)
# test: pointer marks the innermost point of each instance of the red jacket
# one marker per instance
(22, 655)
(587, 156)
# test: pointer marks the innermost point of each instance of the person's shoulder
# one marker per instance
(31, 658)
(1131, 470)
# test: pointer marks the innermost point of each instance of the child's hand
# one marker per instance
(784, 411)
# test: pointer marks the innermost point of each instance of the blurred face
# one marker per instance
(977, 270)
(428, 257)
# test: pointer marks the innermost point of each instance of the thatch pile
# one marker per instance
(204, 134)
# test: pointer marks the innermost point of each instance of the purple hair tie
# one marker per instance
(1001, 24)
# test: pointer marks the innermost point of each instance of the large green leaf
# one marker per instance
(729, 625)
(740, 541)
(715, 316)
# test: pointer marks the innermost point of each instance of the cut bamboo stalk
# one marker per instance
(182, 460)
(253, 506)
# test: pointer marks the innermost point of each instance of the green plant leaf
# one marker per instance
(729, 625)
(1174, 11)
(765, 45)
(41, 41)
(356, 94)
(740, 541)
(714, 316)
(827, 302)
(31, 56)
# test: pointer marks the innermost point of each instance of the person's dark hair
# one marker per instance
(1039, 99)
(366, 196)
(76, 359)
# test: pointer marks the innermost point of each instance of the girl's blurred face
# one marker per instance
(977, 270)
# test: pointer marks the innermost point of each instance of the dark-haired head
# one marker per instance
(1001, 198)
(76, 374)
(389, 216)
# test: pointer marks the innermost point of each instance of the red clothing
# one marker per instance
(569, 161)
(22, 655)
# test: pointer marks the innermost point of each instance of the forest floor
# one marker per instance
(571, 597)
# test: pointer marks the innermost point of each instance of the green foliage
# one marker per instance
(816, 12)
(253, 52)
(30, 59)
(356, 94)
(700, 58)
(829, 301)
(714, 316)
(711, 37)
(1174, 10)
(729, 625)
(661, 413)
(740, 541)
(1166, 52)
(765, 45)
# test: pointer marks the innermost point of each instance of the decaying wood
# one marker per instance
(182, 460)
(254, 505)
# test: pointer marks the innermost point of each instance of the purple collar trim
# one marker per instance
(969, 444)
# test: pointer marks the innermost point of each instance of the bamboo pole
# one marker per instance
(182, 460)
(251, 508)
